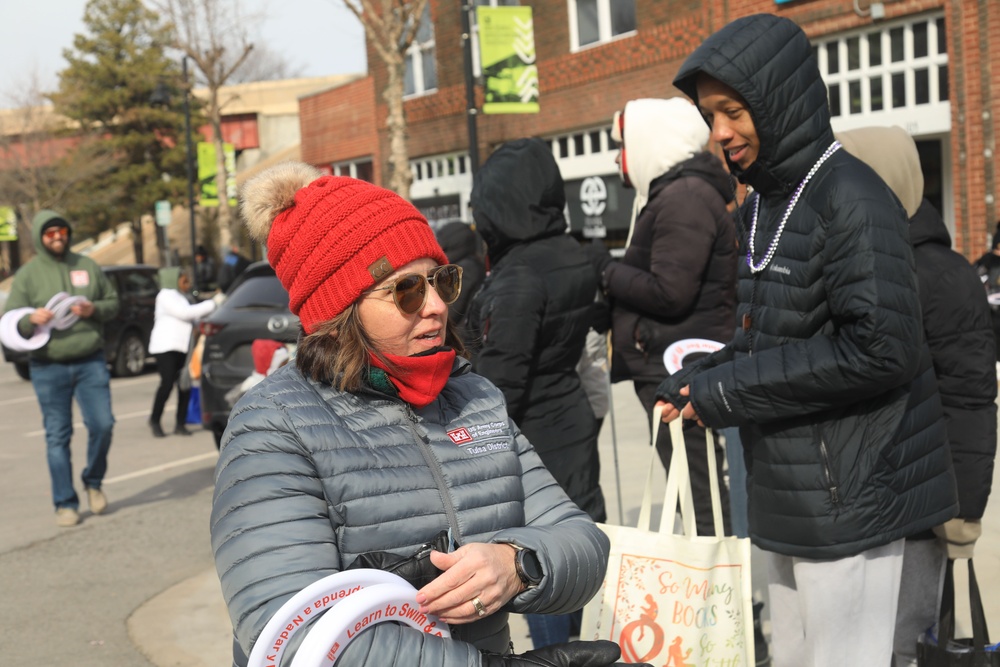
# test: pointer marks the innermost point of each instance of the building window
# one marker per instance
(420, 77)
(584, 153)
(898, 68)
(360, 169)
(599, 21)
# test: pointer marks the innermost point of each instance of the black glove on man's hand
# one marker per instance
(573, 654)
(598, 255)
(666, 392)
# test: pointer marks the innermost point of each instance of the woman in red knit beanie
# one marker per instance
(379, 440)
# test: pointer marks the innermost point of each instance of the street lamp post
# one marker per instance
(188, 162)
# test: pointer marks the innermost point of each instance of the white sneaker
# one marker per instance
(98, 501)
(67, 517)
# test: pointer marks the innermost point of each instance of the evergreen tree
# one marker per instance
(127, 96)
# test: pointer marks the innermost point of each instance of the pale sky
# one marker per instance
(316, 37)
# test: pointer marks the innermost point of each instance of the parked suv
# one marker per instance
(256, 306)
(126, 337)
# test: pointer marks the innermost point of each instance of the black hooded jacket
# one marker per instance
(960, 334)
(461, 244)
(677, 279)
(534, 311)
(831, 384)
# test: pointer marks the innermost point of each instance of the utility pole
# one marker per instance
(470, 85)
(189, 153)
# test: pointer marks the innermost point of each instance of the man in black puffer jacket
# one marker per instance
(830, 380)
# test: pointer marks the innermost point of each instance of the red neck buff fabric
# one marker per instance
(419, 379)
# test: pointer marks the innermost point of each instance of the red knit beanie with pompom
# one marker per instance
(330, 238)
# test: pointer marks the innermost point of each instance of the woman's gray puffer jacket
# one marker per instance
(310, 477)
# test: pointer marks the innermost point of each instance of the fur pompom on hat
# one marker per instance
(330, 238)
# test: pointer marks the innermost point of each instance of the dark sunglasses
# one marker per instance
(409, 291)
(53, 232)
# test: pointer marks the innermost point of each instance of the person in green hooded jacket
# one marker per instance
(71, 364)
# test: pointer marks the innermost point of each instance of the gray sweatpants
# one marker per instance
(834, 613)
(919, 596)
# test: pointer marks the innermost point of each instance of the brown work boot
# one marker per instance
(98, 501)
(67, 517)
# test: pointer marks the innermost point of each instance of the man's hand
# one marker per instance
(41, 316)
(475, 571)
(671, 413)
(83, 309)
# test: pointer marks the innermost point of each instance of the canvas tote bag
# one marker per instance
(675, 599)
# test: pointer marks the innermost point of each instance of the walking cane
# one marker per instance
(614, 433)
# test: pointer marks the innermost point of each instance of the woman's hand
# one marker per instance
(476, 571)
(671, 413)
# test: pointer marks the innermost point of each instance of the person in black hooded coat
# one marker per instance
(463, 246)
(533, 314)
(830, 380)
(956, 322)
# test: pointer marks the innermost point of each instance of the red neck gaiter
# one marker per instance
(419, 379)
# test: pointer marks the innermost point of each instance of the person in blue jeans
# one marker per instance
(71, 364)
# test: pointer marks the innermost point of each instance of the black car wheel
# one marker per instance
(23, 369)
(131, 357)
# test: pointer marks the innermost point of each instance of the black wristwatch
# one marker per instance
(527, 566)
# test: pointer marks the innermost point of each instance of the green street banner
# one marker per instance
(507, 53)
(8, 224)
(206, 173)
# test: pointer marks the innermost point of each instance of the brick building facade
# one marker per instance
(920, 64)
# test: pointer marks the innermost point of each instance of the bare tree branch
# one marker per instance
(391, 26)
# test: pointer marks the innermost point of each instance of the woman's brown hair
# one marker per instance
(339, 351)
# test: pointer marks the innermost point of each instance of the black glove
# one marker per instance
(600, 316)
(416, 569)
(573, 654)
(598, 255)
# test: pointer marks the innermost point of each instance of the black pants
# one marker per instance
(697, 454)
(169, 365)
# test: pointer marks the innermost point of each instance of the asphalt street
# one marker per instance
(68, 593)
(137, 586)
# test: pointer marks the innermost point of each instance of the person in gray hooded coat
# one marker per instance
(378, 439)
(830, 382)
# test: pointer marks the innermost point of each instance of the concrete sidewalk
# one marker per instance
(188, 626)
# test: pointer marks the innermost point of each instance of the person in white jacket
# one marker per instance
(170, 341)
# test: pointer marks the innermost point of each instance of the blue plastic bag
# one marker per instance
(194, 407)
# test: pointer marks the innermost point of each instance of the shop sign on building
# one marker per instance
(8, 224)
(439, 210)
(206, 173)
(507, 53)
(599, 207)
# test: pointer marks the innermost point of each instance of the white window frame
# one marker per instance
(573, 164)
(933, 117)
(603, 26)
(350, 167)
(443, 175)
(415, 59)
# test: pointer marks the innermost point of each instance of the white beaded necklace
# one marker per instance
(788, 212)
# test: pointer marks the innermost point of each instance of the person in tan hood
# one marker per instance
(957, 326)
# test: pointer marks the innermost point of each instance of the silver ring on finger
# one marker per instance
(478, 604)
